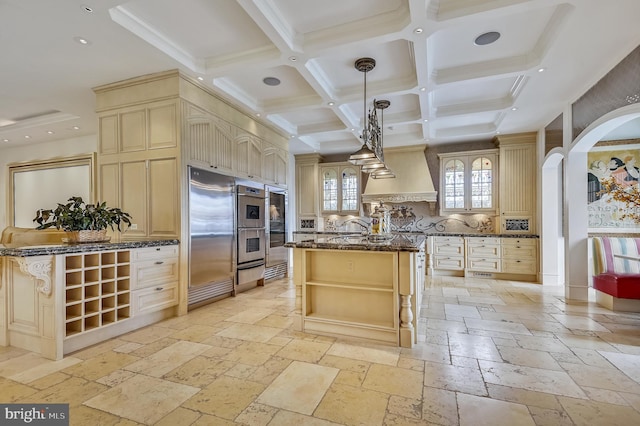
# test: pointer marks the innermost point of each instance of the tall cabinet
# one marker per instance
(518, 185)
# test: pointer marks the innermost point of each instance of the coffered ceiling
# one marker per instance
(442, 86)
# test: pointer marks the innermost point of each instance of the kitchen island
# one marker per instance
(58, 298)
(360, 286)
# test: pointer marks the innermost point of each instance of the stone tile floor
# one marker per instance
(490, 353)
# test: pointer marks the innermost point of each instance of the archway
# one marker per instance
(575, 199)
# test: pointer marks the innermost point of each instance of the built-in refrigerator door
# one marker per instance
(212, 235)
(277, 203)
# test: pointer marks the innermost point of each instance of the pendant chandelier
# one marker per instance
(371, 156)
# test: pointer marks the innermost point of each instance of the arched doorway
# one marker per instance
(575, 199)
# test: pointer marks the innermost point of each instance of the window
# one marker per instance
(468, 182)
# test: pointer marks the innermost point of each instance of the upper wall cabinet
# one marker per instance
(152, 126)
(340, 188)
(468, 182)
(211, 143)
(275, 166)
(248, 157)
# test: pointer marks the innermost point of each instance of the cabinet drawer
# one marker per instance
(155, 298)
(517, 266)
(482, 240)
(483, 264)
(148, 253)
(448, 248)
(486, 250)
(154, 272)
(526, 252)
(451, 240)
(455, 263)
(520, 241)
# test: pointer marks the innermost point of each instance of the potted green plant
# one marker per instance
(84, 222)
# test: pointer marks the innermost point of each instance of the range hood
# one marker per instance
(412, 183)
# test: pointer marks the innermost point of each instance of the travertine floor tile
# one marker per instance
(602, 378)
(226, 397)
(470, 346)
(535, 379)
(299, 387)
(394, 380)
(479, 411)
(101, 365)
(256, 415)
(440, 406)
(454, 378)
(388, 356)
(528, 358)
(199, 371)
(251, 316)
(349, 405)
(288, 418)
(168, 358)
(44, 369)
(251, 332)
(303, 350)
(589, 413)
(628, 364)
(142, 399)
(497, 326)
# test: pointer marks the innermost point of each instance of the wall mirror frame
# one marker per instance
(43, 183)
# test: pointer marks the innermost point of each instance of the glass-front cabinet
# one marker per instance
(468, 182)
(340, 188)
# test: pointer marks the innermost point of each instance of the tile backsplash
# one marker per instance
(414, 217)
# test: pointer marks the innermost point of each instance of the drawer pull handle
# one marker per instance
(158, 249)
(159, 262)
(159, 288)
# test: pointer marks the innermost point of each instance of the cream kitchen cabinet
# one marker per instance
(340, 188)
(155, 276)
(447, 253)
(275, 166)
(307, 191)
(148, 190)
(482, 254)
(517, 183)
(248, 157)
(210, 143)
(146, 127)
(468, 182)
(519, 256)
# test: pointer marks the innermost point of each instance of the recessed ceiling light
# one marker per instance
(425, 120)
(87, 9)
(76, 128)
(27, 137)
(50, 132)
(271, 81)
(514, 109)
(541, 69)
(418, 30)
(293, 136)
(331, 103)
(82, 41)
(5, 140)
(497, 133)
(487, 38)
(258, 114)
(293, 58)
(200, 78)
(423, 89)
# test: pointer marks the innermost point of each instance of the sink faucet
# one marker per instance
(364, 226)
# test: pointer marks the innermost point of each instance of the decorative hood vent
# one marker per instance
(412, 183)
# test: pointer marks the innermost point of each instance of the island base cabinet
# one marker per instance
(356, 293)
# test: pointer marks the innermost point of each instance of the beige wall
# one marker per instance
(43, 151)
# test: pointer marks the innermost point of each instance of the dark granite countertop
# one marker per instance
(426, 234)
(21, 250)
(392, 242)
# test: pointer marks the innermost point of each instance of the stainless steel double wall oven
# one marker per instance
(251, 221)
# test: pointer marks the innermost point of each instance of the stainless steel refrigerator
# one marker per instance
(212, 236)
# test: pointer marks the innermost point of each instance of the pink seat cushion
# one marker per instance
(624, 286)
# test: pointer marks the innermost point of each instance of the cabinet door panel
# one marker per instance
(223, 149)
(163, 197)
(133, 190)
(200, 143)
(109, 134)
(109, 184)
(133, 131)
(307, 182)
(162, 127)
